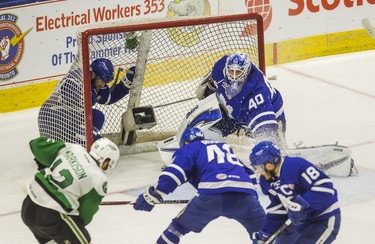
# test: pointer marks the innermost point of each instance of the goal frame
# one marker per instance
(163, 23)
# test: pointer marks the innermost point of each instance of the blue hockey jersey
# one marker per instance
(258, 106)
(106, 96)
(61, 116)
(299, 177)
(210, 166)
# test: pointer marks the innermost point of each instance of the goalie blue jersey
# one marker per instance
(258, 106)
(299, 177)
(210, 166)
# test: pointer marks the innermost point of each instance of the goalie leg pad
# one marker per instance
(333, 160)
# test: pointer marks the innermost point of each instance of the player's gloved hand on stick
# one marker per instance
(259, 237)
(128, 78)
(147, 200)
(297, 210)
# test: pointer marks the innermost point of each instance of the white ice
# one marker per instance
(326, 100)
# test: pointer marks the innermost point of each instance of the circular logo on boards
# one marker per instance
(187, 36)
(262, 7)
(11, 45)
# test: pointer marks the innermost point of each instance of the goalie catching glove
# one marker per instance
(147, 200)
(206, 87)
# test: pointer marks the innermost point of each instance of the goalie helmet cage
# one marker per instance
(172, 56)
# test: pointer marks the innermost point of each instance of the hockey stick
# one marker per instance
(114, 84)
(132, 202)
(272, 77)
(278, 232)
(368, 27)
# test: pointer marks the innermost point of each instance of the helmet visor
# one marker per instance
(236, 74)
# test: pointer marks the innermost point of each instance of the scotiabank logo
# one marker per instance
(262, 7)
(11, 45)
(316, 6)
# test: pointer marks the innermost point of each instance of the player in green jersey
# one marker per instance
(68, 188)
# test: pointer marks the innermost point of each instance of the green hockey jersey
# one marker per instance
(70, 182)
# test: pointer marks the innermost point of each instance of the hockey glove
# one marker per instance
(147, 200)
(297, 210)
(259, 237)
(206, 86)
(131, 40)
(128, 78)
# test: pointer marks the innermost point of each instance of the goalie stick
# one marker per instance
(368, 27)
(106, 203)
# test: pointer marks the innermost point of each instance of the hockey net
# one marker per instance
(172, 56)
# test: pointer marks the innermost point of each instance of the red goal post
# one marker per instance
(173, 55)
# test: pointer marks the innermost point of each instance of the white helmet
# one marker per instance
(106, 153)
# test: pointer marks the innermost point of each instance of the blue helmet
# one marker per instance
(190, 135)
(103, 68)
(263, 152)
(237, 68)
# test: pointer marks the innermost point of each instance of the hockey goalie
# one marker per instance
(236, 96)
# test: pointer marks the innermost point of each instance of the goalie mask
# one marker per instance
(264, 152)
(103, 69)
(237, 68)
(105, 153)
(190, 135)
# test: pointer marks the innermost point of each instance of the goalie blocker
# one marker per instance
(137, 118)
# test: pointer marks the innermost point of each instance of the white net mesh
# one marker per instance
(180, 53)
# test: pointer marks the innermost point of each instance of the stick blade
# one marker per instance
(368, 27)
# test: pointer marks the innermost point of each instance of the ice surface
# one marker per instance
(326, 100)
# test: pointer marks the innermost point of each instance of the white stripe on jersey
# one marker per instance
(323, 181)
(323, 189)
(166, 239)
(227, 183)
(278, 113)
(328, 231)
(179, 169)
(330, 209)
(278, 209)
(174, 177)
(258, 116)
(267, 122)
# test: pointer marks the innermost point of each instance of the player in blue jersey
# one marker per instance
(306, 192)
(62, 113)
(223, 183)
(102, 72)
(247, 99)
